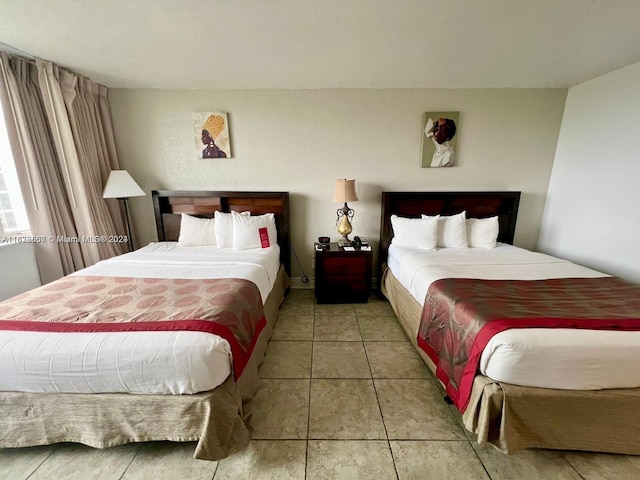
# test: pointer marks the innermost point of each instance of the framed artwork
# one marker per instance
(211, 134)
(439, 139)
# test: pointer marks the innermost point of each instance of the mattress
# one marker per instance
(180, 362)
(568, 359)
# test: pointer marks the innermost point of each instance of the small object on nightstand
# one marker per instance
(361, 240)
(324, 240)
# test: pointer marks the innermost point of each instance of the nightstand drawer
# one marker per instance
(343, 277)
(344, 266)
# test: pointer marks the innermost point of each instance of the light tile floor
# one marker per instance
(343, 395)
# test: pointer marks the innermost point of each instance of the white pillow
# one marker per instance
(257, 231)
(415, 232)
(483, 232)
(452, 231)
(224, 228)
(196, 231)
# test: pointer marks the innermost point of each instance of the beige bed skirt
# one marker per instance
(512, 417)
(214, 419)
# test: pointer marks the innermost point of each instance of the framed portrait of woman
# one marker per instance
(439, 139)
(211, 134)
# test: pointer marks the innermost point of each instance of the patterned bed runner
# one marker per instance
(229, 307)
(460, 315)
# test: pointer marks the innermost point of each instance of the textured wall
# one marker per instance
(302, 140)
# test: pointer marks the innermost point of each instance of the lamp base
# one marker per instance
(344, 226)
(128, 224)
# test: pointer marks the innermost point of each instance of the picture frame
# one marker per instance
(440, 131)
(211, 134)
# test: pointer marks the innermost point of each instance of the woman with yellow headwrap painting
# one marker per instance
(214, 135)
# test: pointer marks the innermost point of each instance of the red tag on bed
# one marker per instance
(264, 237)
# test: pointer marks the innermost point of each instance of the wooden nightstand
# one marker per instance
(343, 277)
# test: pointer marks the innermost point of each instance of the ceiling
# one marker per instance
(223, 44)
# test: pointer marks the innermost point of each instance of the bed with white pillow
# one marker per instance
(107, 388)
(567, 359)
(161, 362)
(545, 388)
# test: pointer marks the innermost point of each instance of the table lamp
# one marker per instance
(345, 192)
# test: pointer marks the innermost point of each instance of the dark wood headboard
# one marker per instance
(169, 204)
(476, 204)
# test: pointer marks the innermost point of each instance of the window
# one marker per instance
(13, 216)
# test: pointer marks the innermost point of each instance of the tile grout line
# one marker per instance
(291, 439)
(573, 466)
(218, 466)
(53, 450)
(484, 467)
(313, 335)
(375, 391)
(132, 459)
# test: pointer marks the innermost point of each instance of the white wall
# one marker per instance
(302, 140)
(19, 271)
(592, 215)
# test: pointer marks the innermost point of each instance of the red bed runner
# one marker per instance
(460, 315)
(229, 307)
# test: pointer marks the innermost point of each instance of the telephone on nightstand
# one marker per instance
(359, 242)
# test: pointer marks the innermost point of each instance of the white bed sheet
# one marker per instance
(567, 359)
(178, 362)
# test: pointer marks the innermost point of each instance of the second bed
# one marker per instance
(535, 387)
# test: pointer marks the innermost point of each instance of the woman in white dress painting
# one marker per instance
(440, 132)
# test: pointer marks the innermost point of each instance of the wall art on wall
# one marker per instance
(440, 139)
(211, 134)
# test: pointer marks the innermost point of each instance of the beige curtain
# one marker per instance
(38, 169)
(85, 147)
(62, 139)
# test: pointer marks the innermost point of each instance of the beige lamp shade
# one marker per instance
(345, 191)
(121, 185)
